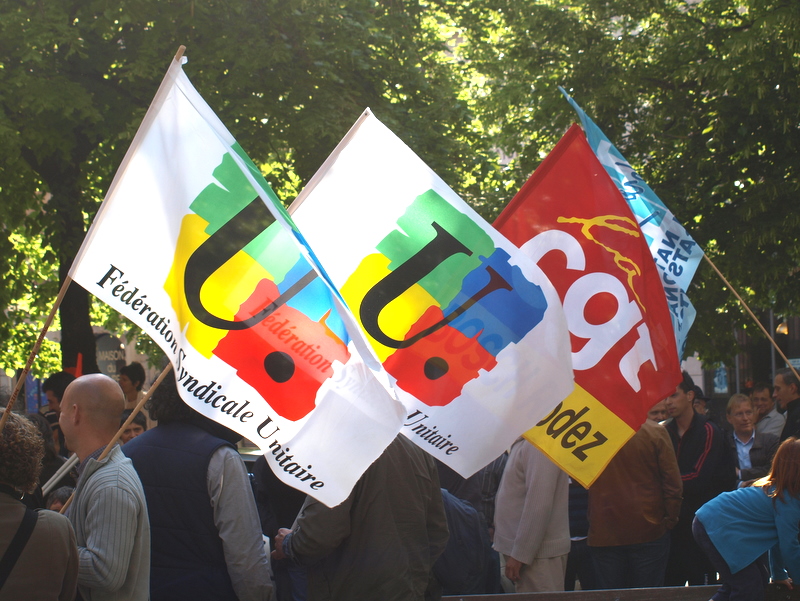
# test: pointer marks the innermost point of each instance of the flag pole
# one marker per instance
(59, 475)
(134, 412)
(34, 351)
(758, 323)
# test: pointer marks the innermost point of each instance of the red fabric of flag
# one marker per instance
(571, 218)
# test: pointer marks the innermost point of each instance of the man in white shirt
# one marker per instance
(753, 450)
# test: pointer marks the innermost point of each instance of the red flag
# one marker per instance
(570, 217)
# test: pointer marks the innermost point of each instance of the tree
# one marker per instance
(288, 79)
(701, 96)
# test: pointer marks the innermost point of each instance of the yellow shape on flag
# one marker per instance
(222, 294)
(615, 223)
(580, 435)
(399, 315)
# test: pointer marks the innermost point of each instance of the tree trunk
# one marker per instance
(77, 337)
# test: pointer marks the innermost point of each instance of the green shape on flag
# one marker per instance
(274, 249)
(444, 282)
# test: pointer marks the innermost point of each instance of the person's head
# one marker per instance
(46, 432)
(762, 399)
(90, 413)
(136, 427)
(680, 403)
(58, 498)
(131, 378)
(21, 452)
(54, 387)
(700, 402)
(787, 388)
(166, 406)
(740, 414)
(785, 473)
(658, 412)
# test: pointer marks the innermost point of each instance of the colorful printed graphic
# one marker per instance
(274, 324)
(439, 302)
(224, 282)
(570, 218)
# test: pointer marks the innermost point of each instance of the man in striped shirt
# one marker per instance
(108, 512)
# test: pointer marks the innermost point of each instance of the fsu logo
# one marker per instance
(245, 294)
(439, 302)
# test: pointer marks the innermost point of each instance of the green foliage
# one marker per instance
(702, 97)
(33, 281)
(287, 78)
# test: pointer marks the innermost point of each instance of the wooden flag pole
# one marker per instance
(758, 323)
(34, 351)
(134, 412)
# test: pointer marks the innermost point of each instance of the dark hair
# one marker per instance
(140, 418)
(61, 494)
(166, 404)
(58, 383)
(759, 386)
(687, 384)
(788, 377)
(46, 430)
(698, 394)
(135, 373)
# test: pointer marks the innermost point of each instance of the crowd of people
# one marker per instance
(172, 512)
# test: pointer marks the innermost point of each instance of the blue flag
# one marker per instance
(675, 252)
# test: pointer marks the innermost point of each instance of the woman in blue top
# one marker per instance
(737, 528)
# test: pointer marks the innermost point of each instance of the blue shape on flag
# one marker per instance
(314, 300)
(503, 316)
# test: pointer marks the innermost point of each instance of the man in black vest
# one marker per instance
(206, 537)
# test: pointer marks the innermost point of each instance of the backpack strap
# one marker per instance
(17, 545)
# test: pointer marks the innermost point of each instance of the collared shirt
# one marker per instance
(743, 450)
(771, 423)
(94, 455)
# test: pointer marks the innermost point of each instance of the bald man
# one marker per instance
(109, 512)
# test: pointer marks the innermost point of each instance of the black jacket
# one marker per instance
(761, 454)
(706, 465)
(792, 425)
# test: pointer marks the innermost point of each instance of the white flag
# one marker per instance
(218, 276)
(470, 329)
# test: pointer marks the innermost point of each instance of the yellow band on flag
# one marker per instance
(580, 435)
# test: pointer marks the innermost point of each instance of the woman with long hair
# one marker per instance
(737, 528)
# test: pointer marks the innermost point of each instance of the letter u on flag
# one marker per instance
(676, 254)
(192, 245)
(570, 218)
(470, 330)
